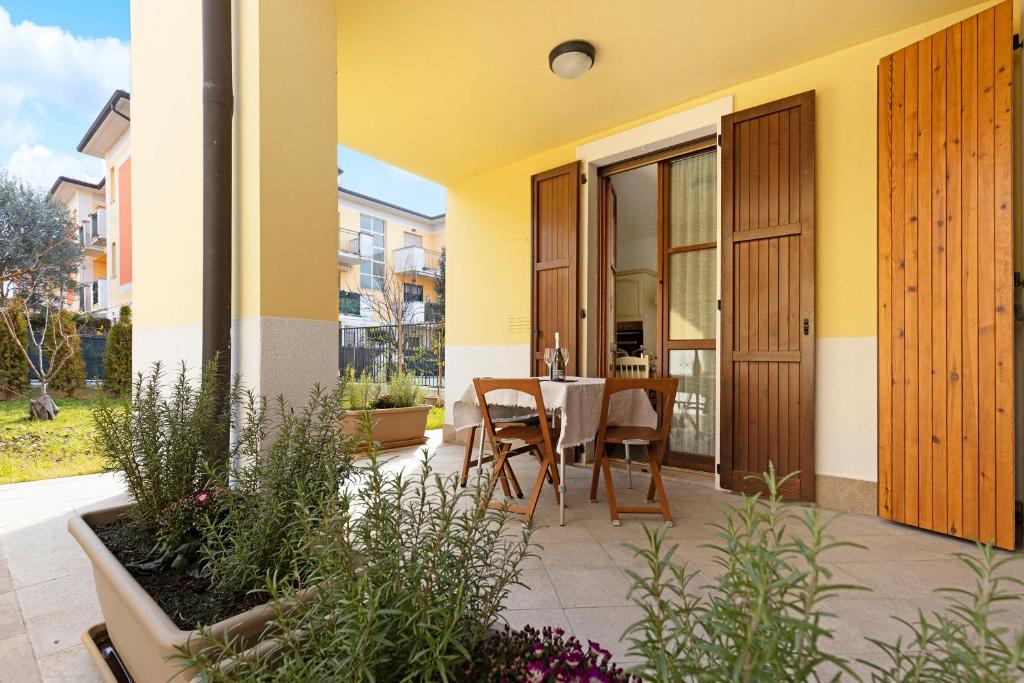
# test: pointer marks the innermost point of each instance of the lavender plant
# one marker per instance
(409, 573)
(760, 620)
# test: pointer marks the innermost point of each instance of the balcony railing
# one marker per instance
(417, 260)
(354, 247)
(94, 296)
(95, 233)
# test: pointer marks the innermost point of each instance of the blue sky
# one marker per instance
(59, 62)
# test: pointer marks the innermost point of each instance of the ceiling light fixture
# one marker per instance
(571, 59)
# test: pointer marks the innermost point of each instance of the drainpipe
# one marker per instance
(218, 107)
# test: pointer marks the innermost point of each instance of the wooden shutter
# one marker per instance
(945, 300)
(555, 251)
(767, 342)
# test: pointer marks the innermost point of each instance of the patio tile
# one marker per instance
(10, 616)
(573, 554)
(857, 620)
(905, 579)
(553, 616)
(19, 663)
(870, 548)
(58, 611)
(604, 625)
(537, 593)
(69, 666)
(587, 587)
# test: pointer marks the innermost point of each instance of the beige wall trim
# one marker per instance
(847, 495)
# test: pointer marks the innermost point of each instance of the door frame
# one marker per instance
(662, 158)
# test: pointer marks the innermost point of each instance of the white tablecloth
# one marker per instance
(578, 401)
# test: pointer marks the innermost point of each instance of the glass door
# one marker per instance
(689, 295)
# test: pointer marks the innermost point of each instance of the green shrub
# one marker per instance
(364, 393)
(289, 468)
(962, 643)
(410, 573)
(761, 620)
(165, 441)
(62, 341)
(13, 365)
(117, 357)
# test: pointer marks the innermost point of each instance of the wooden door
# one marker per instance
(607, 236)
(945, 300)
(767, 337)
(555, 250)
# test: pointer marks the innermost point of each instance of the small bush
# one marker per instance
(545, 655)
(13, 366)
(166, 444)
(364, 393)
(410, 572)
(289, 470)
(69, 377)
(406, 392)
(761, 620)
(385, 401)
(962, 643)
(117, 357)
(359, 392)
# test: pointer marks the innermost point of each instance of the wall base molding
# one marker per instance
(846, 495)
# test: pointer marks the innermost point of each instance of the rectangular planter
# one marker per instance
(392, 427)
(143, 635)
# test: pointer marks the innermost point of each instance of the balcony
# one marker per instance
(417, 261)
(354, 247)
(94, 297)
(92, 233)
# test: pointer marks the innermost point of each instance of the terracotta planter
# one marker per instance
(143, 635)
(392, 427)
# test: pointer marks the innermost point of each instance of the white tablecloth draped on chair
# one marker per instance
(577, 400)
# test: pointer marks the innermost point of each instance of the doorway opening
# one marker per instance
(658, 247)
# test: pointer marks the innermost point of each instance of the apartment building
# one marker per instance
(377, 242)
(103, 213)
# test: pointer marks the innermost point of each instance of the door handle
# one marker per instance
(807, 327)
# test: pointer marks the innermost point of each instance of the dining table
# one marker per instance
(577, 403)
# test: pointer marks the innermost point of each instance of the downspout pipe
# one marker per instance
(218, 109)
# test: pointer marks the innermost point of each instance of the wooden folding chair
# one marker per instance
(538, 438)
(665, 391)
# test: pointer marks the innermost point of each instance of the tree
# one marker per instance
(117, 357)
(13, 366)
(387, 304)
(39, 254)
(62, 337)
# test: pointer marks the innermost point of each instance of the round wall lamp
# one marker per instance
(571, 59)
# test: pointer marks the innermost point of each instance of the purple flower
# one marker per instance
(537, 672)
(201, 498)
(574, 659)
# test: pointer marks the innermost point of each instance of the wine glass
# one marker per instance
(565, 355)
(549, 358)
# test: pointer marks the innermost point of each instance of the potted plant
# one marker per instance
(190, 551)
(398, 410)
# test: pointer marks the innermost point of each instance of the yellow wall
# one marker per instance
(167, 163)
(489, 215)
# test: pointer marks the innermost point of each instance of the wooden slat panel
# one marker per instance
(946, 403)
(1003, 266)
(884, 288)
(768, 292)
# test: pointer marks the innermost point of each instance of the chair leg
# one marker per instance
(467, 457)
(659, 486)
(512, 478)
(499, 465)
(503, 471)
(596, 474)
(555, 480)
(535, 495)
(609, 487)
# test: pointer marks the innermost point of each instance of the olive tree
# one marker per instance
(39, 255)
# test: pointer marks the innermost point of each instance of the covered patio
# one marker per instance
(578, 581)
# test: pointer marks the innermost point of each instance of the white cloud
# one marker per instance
(40, 166)
(46, 65)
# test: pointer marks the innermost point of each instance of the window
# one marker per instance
(348, 303)
(412, 293)
(412, 240)
(112, 182)
(371, 273)
(113, 259)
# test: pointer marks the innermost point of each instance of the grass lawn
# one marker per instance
(436, 418)
(45, 450)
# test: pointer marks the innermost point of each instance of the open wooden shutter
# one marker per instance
(945, 299)
(555, 249)
(767, 342)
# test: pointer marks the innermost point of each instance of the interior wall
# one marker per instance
(489, 234)
(637, 218)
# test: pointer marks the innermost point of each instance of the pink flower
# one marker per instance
(202, 498)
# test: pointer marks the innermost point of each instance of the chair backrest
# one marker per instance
(664, 390)
(529, 386)
(632, 367)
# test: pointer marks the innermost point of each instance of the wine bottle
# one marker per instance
(558, 362)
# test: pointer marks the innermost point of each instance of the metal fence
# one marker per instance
(375, 350)
(93, 346)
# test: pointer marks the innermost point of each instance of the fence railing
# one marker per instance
(93, 346)
(375, 350)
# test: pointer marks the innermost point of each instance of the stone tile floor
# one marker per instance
(578, 581)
